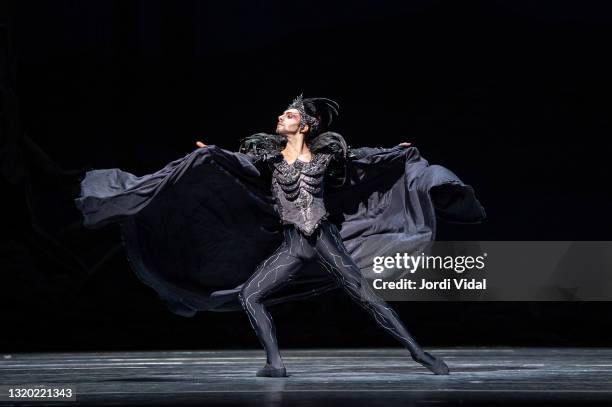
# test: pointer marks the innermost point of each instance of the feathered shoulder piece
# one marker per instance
(333, 143)
(262, 145)
(330, 142)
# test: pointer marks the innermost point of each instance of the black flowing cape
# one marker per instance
(195, 230)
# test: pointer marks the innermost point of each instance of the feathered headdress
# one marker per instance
(318, 113)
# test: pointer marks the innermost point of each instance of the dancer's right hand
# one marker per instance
(200, 144)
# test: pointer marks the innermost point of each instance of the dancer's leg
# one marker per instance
(269, 275)
(334, 257)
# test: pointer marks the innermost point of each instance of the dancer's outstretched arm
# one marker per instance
(259, 164)
(364, 151)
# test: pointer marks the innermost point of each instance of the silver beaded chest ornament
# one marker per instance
(301, 183)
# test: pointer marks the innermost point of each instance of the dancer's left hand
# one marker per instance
(405, 144)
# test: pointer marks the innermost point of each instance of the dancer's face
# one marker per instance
(289, 122)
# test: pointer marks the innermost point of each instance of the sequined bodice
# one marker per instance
(298, 191)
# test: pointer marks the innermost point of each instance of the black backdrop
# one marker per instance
(514, 97)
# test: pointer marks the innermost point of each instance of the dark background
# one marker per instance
(514, 97)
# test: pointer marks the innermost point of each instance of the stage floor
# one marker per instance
(321, 377)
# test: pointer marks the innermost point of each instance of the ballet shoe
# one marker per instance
(432, 363)
(269, 371)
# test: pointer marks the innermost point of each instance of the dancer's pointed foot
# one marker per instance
(271, 371)
(432, 363)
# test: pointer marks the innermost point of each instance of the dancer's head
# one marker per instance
(309, 116)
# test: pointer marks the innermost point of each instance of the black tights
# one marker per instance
(324, 245)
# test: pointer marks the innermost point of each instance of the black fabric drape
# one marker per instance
(196, 229)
